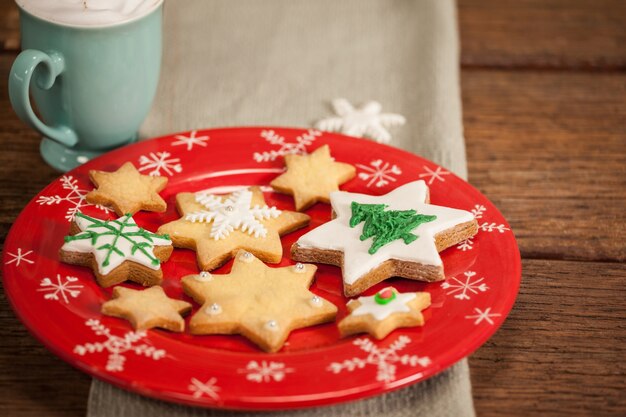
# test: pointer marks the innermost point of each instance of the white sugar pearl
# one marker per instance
(213, 309)
(246, 257)
(271, 325)
(204, 276)
(315, 301)
(299, 267)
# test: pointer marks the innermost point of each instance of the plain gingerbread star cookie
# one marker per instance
(127, 191)
(116, 250)
(311, 178)
(216, 227)
(373, 238)
(384, 312)
(261, 303)
(147, 308)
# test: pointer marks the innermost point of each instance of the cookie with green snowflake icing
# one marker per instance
(116, 250)
(373, 238)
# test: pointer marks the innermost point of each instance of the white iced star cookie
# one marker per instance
(365, 121)
(373, 238)
(384, 312)
(116, 250)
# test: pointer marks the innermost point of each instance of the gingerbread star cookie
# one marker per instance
(384, 312)
(127, 191)
(373, 238)
(116, 250)
(216, 227)
(147, 308)
(261, 303)
(311, 178)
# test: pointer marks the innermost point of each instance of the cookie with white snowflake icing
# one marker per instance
(373, 238)
(261, 303)
(116, 250)
(216, 227)
(384, 312)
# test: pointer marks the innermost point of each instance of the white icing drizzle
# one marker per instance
(232, 213)
(338, 235)
(382, 311)
(124, 238)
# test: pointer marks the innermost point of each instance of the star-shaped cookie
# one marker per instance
(147, 308)
(384, 312)
(127, 191)
(374, 238)
(116, 250)
(311, 178)
(261, 303)
(216, 227)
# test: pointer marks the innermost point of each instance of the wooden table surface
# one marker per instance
(544, 95)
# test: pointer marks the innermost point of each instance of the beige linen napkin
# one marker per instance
(280, 63)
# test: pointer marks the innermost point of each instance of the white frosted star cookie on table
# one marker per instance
(147, 308)
(216, 227)
(373, 238)
(384, 312)
(261, 303)
(311, 178)
(116, 250)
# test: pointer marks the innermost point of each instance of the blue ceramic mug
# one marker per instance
(92, 85)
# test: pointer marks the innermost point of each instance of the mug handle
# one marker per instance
(19, 84)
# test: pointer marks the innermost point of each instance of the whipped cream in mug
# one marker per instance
(85, 13)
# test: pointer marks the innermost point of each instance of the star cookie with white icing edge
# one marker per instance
(261, 303)
(127, 191)
(216, 227)
(311, 178)
(373, 238)
(384, 312)
(147, 308)
(116, 250)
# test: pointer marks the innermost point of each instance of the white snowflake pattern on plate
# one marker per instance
(117, 346)
(462, 290)
(298, 147)
(437, 174)
(155, 162)
(75, 197)
(19, 257)
(483, 315)
(265, 371)
(66, 288)
(191, 140)
(379, 173)
(209, 388)
(368, 120)
(478, 211)
(386, 360)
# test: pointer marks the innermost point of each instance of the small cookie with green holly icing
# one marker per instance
(217, 227)
(311, 178)
(373, 238)
(384, 312)
(127, 191)
(116, 250)
(147, 308)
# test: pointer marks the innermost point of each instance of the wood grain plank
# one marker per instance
(575, 34)
(549, 149)
(561, 351)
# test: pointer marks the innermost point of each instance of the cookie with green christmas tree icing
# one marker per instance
(116, 250)
(373, 238)
(384, 312)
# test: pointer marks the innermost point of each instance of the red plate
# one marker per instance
(60, 303)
